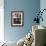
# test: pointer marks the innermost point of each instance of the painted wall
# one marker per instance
(43, 6)
(30, 7)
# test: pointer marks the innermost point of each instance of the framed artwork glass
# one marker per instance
(17, 18)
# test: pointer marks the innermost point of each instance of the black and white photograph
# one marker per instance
(17, 18)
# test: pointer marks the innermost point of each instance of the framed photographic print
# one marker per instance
(17, 18)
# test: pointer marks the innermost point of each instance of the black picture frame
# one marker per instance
(17, 18)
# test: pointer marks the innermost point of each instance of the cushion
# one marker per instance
(20, 42)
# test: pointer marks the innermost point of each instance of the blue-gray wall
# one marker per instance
(43, 6)
(30, 7)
